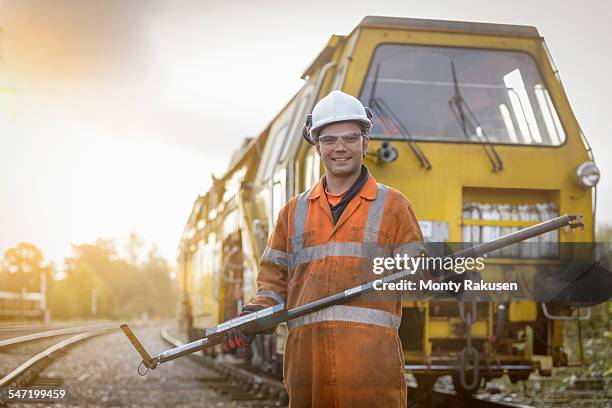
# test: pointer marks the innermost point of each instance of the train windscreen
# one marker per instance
(459, 95)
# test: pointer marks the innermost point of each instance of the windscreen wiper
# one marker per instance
(469, 123)
(380, 108)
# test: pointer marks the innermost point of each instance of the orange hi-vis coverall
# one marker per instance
(347, 355)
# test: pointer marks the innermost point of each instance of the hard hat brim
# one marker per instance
(322, 124)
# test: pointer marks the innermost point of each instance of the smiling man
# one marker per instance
(347, 355)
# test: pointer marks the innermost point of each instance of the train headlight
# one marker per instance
(588, 174)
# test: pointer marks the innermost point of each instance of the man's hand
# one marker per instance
(237, 338)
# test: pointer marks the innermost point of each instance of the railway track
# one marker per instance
(10, 327)
(19, 326)
(445, 396)
(48, 332)
(239, 384)
(595, 397)
(253, 389)
(40, 353)
(26, 372)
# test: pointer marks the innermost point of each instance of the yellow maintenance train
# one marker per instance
(472, 124)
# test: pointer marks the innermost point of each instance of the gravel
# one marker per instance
(102, 372)
(12, 356)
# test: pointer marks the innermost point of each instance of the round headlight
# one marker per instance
(588, 174)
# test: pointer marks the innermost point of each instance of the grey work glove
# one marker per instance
(236, 337)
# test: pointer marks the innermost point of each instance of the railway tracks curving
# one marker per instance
(42, 332)
(23, 375)
(243, 387)
(40, 347)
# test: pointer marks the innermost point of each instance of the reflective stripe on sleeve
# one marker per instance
(271, 294)
(275, 257)
(340, 313)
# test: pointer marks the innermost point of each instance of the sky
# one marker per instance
(114, 114)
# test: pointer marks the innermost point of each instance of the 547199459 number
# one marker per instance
(38, 394)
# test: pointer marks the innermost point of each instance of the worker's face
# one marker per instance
(342, 148)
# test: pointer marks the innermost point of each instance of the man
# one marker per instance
(347, 355)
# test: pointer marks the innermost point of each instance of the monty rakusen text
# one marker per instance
(413, 264)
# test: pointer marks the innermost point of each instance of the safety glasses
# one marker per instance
(349, 138)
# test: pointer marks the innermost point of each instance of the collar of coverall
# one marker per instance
(368, 191)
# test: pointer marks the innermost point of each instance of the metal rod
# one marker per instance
(572, 221)
(272, 316)
(181, 350)
(440, 367)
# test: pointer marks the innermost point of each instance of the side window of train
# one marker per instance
(312, 168)
(266, 173)
(280, 186)
(294, 136)
(283, 143)
(288, 138)
(288, 157)
(278, 181)
(276, 141)
(338, 77)
(278, 192)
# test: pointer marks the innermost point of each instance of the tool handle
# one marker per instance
(146, 358)
(256, 322)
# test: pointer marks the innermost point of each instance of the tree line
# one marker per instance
(103, 279)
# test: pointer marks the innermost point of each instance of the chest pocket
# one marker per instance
(303, 252)
(373, 243)
(368, 235)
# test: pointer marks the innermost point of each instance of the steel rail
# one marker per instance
(484, 401)
(32, 327)
(24, 327)
(54, 333)
(39, 326)
(476, 400)
(442, 367)
(19, 375)
(259, 382)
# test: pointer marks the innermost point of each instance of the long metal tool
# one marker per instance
(273, 316)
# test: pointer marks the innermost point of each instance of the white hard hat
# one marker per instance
(337, 106)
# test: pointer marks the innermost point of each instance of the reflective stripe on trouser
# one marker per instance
(341, 313)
